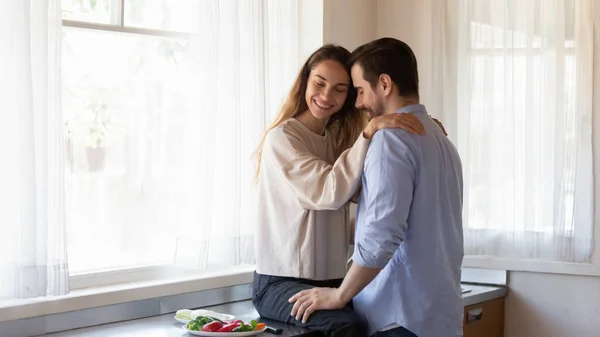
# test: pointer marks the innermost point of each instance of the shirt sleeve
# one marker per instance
(316, 184)
(389, 178)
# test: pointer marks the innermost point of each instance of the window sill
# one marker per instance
(533, 266)
(125, 292)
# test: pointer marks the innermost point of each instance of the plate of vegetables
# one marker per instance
(209, 326)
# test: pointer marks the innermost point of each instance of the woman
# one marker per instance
(309, 165)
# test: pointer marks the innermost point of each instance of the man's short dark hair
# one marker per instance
(392, 57)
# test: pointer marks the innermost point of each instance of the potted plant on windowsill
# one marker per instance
(93, 129)
(96, 140)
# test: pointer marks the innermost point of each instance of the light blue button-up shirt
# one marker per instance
(409, 223)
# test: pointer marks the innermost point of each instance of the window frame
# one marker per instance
(120, 27)
(124, 29)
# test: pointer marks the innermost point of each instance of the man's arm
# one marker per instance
(390, 174)
(390, 170)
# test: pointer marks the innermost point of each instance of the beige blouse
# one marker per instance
(303, 227)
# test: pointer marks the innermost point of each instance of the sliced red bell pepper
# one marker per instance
(212, 326)
(228, 328)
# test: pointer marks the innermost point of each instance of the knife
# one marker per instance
(274, 331)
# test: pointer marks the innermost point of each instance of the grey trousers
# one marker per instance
(270, 296)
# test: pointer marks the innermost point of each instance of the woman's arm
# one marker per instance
(440, 125)
(317, 184)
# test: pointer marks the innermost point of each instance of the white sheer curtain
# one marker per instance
(33, 259)
(180, 118)
(522, 98)
(242, 72)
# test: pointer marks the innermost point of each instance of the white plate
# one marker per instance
(181, 320)
(223, 334)
(202, 312)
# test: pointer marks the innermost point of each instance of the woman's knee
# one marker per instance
(349, 324)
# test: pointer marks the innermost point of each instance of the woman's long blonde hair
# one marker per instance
(345, 125)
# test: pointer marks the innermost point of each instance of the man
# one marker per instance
(405, 276)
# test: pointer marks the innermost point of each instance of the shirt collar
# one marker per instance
(413, 108)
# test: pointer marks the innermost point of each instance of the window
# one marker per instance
(524, 128)
(163, 104)
(129, 135)
(124, 108)
(512, 77)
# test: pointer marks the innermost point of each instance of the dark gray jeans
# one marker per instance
(270, 296)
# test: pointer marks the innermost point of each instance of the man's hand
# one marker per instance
(308, 301)
(440, 125)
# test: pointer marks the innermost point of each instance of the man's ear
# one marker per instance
(386, 84)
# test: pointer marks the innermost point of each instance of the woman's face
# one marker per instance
(327, 89)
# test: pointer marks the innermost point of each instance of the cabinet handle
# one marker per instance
(474, 315)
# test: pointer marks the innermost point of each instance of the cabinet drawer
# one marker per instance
(484, 319)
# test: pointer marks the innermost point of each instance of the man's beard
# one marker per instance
(375, 111)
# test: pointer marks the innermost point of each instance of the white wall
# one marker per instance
(539, 304)
(411, 22)
(552, 305)
(349, 23)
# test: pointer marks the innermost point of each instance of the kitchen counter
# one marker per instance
(166, 326)
(479, 293)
